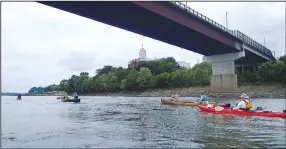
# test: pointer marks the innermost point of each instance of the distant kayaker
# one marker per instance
(75, 95)
(66, 96)
(175, 96)
(204, 98)
(244, 103)
(19, 97)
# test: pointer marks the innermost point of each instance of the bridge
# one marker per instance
(177, 24)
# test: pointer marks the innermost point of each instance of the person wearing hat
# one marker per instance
(204, 98)
(175, 96)
(244, 103)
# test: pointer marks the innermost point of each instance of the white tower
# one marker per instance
(142, 54)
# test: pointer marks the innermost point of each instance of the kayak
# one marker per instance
(181, 103)
(19, 98)
(70, 100)
(242, 112)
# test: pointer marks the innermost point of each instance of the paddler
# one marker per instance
(175, 96)
(204, 98)
(244, 103)
(75, 95)
(66, 96)
(19, 96)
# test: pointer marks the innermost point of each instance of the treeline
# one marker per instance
(37, 90)
(161, 73)
(271, 71)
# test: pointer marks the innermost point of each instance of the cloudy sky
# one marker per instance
(42, 45)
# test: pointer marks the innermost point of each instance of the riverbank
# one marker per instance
(254, 91)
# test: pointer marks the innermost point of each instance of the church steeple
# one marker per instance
(142, 53)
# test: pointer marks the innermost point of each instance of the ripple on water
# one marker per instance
(132, 123)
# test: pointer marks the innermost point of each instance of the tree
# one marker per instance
(282, 59)
(84, 74)
(110, 82)
(161, 80)
(160, 73)
(186, 79)
(131, 80)
(36, 90)
(201, 76)
(123, 84)
(176, 79)
(121, 74)
(105, 69)
(265, 71)
(144, 77)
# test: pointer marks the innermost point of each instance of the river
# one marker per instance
(133, 122)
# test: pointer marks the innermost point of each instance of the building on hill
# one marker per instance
(142, 58)
(185, 64)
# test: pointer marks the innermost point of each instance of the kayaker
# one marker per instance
(175, 96)
(244, 103)
(204, 98)
(19, 96)
(66, 96)
(75, 95)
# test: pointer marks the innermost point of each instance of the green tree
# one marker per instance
(143, 78)
(105, 69)
(121, 74)
(123, 84)
(186, 79)
(131, 80)
(110, 82)
(161, 80)
(176, 79)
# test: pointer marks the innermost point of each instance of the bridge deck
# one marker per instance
(134, 18)
(140, 18)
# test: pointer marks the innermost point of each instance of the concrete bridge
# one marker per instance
(177, 24)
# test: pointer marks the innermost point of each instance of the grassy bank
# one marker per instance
(254, 91)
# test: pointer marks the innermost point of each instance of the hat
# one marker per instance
(243, 95)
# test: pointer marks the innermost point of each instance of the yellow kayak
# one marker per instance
(181, 103)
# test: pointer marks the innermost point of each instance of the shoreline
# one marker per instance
(253, 91)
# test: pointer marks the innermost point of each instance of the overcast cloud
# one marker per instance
(43, 45)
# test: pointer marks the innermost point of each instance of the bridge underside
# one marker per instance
(141, 18)
(250, 59)
(134, 18)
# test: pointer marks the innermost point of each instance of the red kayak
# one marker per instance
(242, 112)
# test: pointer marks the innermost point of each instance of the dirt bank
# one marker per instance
(261, 91)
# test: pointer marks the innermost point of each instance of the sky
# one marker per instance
(42, 45)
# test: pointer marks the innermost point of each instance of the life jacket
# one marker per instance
(248, 104)
(215, 105)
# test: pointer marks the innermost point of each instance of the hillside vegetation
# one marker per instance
(160, 74)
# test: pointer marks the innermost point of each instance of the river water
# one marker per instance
(130, 122)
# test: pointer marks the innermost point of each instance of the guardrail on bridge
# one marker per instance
(235, 33)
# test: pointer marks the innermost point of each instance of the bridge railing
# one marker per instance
(251, 42)
(236, 33)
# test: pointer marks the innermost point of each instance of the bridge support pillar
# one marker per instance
(223, 77)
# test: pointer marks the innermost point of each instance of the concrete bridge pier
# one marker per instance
(223, 77)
